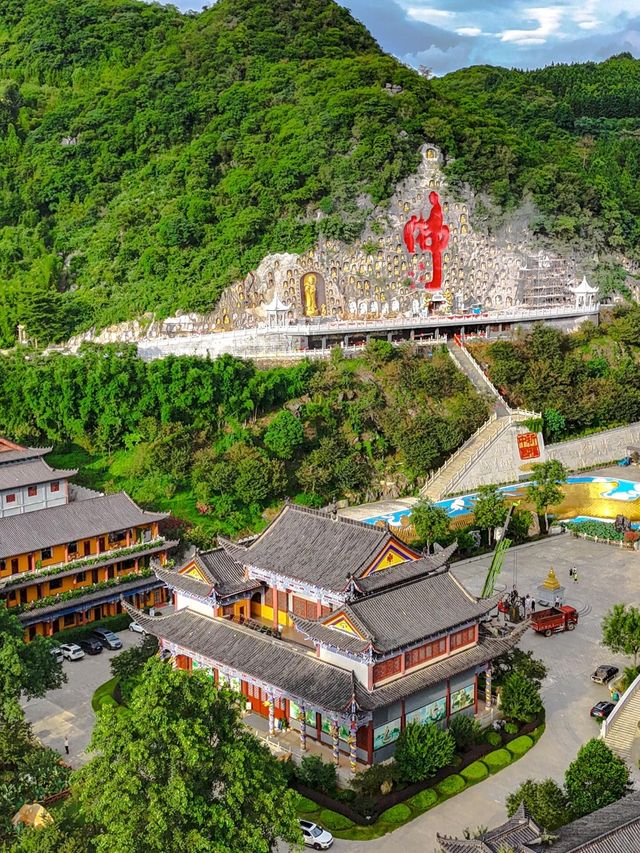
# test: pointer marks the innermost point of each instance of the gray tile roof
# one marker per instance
(21, 454)
(224, 572)
(29, 473)
(186, 583)
(315, 547)
(417, 609)
(612, 829)
(314, 630)
(516, 834)
(404, 571)
(281, 664)
(31, 531)
(273, 661)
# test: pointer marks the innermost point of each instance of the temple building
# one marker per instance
(331, 627)
(68, 554)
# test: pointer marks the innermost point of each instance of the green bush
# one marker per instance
(493, 738)
(521, 698)
(497, 759)
(317, 774)
(520, 745)
(465, 730)
(396, 814)
(511, 728)
(111, 623)
(451, 785)
(304, 805)
(475, 772)
(536, 734)
(369, 782)
(422, 750)
(424, 800)
(334, 821)
(104, 695)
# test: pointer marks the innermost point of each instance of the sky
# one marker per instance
(444, 35)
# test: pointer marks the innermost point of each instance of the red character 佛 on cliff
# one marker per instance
(432, 236)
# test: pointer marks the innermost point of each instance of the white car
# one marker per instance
(135, 626)
(56, 654)
(71, 652)
(315, 836)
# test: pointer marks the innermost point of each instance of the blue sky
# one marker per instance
(449, 34)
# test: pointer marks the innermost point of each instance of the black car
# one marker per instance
(601, 710)
(604, 674)
(107, 639)
(90, 646)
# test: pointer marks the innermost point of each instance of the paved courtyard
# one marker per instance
(607, 576)
(68, 711)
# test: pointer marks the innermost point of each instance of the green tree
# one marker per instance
(546, 801)
(422, 750)
(179, 771)
(554, 424)
(431, 522)
(317, 774)
(545, 489)
(519, 525)
(465, 730)
(596, 778)
(26, 669)
(621, 630)
(490, 510)
(284, 435)
(128, 665)
(524, 663)
(520, 698)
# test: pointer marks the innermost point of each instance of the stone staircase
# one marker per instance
(447, 477)
(620, 730)
(468, 365)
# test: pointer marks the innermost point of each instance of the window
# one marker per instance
(268, 597)
(55, 487)
(32, 491)
(45, 554)
(3, 565)
(14, 566)
(282, 600)
(305, 609)
(72, 548)
(387, 668)
(464, 637)
(424, 653)
(81, 576)
(56, 583)
(10, 499)
(119, 536)
(69, 619)
(12, 595)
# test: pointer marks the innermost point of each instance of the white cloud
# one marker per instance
(430, 16)
(548, 18)
(469, 31)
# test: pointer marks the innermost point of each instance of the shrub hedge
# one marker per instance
(304, 805)
(493, 738)
(475, 772)
(396, 814)
(334, 821)
(520, 745)
(424, 800)
(451, 785)
(497, 759)
(111, 623)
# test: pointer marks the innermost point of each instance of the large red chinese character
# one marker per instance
(432, 236)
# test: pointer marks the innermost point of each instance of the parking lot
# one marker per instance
(68, 711)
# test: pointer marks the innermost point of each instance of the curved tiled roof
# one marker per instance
(29, 473)
(410, 570)
(315, 547)
(225, 573)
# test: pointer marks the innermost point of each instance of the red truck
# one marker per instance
(554, 619)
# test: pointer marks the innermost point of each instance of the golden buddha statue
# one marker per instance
(310, 303)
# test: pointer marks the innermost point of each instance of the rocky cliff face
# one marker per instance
(419, 253)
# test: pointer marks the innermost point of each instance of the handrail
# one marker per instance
(457, 452)
(628, 694)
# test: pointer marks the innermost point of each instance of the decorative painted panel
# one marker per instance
(386, 734)
(463, 698)
(431, 713)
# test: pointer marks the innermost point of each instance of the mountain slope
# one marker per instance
(149, 158)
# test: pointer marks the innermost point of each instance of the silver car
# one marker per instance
(315, 836)
(71, 651)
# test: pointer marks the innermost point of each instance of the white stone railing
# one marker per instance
(628, 694)
(454, 456)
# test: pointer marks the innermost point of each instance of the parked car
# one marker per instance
(135, 626)
(107, 639)
(90, 646)
(71, 651)
(604, 674)
(315, 836)
(601, 710)
(56, 654)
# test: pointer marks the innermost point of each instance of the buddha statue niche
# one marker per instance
(310, 302)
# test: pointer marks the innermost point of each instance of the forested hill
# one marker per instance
(148, 158)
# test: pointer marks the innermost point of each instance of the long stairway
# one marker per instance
(477, 378)
(621, 729)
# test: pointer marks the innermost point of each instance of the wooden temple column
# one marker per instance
(274, 590)
(475, 693)
(487, 689)
(272, 713)
(336, 740)
(303, 728)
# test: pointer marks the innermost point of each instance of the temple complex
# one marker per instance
(334, 628)
(68, 554)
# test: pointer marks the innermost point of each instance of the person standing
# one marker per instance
(575, 575)
(66, 744)
(533, 606)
